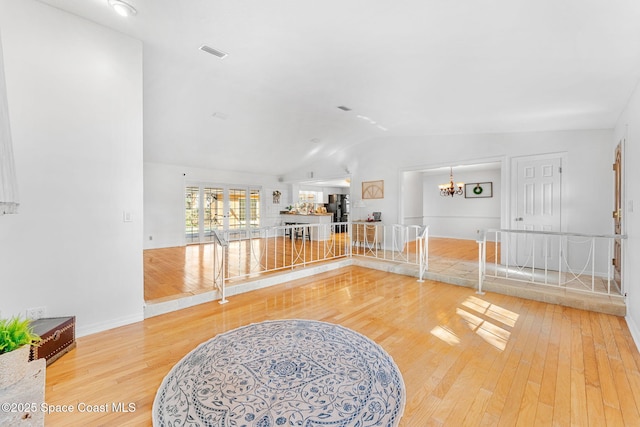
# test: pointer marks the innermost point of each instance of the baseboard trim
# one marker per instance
(111, 324)
(633, 328)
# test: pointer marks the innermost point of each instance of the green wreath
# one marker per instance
(477, 189)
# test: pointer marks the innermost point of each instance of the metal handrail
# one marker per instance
(423, 244)
(566, 270)
(554, 233)
(269, 249)
(219, 251)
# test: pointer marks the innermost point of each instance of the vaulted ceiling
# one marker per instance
(403, 68)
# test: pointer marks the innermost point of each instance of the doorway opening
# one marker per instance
(459, 216)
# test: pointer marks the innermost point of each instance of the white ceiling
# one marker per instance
(414, 67)
(338, 183)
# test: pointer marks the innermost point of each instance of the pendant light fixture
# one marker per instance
(451, 189)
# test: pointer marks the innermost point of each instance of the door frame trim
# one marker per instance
(511, 179)
(512, 183)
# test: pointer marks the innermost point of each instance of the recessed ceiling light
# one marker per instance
(215, 52)
(122, 8)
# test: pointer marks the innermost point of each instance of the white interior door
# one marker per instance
(536, 198)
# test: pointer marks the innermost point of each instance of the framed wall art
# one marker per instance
(478, 190)
(373, 189)
(276, 197)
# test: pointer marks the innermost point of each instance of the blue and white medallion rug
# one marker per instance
(283, 373)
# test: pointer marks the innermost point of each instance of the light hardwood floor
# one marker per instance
(186, 270)
(466, 359)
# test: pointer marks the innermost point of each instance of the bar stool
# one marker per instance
(303, 231)
(289, 231)
(300, 231)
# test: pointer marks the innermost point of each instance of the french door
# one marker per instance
(209, 207)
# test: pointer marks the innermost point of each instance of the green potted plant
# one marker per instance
(16, 338)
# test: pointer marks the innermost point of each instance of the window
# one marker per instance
(192, 213)
(305, 196)
(212, 207)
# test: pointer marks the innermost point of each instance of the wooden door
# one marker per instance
(617, 214)
(536, 207)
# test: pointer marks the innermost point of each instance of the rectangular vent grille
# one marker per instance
(213, 51)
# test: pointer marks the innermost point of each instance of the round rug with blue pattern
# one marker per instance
(283, 373)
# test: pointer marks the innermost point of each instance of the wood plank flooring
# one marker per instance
(187, 270)
(467, 360)
(459, 249)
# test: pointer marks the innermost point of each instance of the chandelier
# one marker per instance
(450, 189)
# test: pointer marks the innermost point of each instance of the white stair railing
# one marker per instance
(423, 252)
(572, 261)
(270, 249)
(220, 248)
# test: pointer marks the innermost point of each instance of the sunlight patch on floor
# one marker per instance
(445, 335)
(493, 311)
(493, 334)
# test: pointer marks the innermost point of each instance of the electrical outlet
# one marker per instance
(36, 313)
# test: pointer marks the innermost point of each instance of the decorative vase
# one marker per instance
(13, 366)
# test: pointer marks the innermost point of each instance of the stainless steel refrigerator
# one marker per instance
(339, 206)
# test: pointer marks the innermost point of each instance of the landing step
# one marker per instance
(607, 304)
(612, 304)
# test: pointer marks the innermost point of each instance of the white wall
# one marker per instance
(460, 217)
(628, 129)
(164, 199)
(75, 102)
(412, 205)
(586, 178)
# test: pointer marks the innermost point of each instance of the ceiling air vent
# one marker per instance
(343, 108)
(215, 52)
